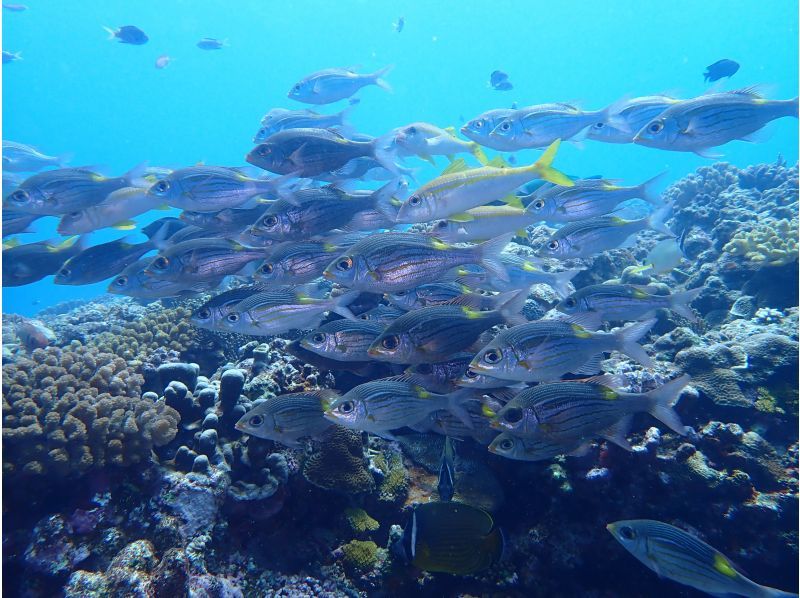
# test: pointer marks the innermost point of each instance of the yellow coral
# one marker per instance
(769, 243)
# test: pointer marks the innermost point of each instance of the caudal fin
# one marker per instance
(663, 398)
(456, 404)
(511, 307)
(679, 303)
(627, 338)
(561, 281)
(656, 220)
(488, 255)
(378, 75)
(341, 302)
(543, 167)
(647, 190)
(111, 32)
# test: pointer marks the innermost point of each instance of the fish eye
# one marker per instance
(441, 224)
(255, 421)
(471, 374)
(74, 214)
(401, 293)
(553, 245)
(364, 316)
(19, 196)
(414, 200)
(506, 444)
(492, 356)
(627, 532)
(318, 337)
(233, 318)
(263, 150)
(505, 126)
(161, 186)
(65, 272)
(390, 342)
(570, 302)
(346, 407)
(121, 281)
(160, 263)
(204, 314)
(598, 125)
(513, 415)
(411, 131)
(266, 269)
(345, 264)
(655, 127)
(477, 124)
(271, 220)
(538, 204)
(296, 87)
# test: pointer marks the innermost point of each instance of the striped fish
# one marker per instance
(547, 349)
(384, 405)
(440, 376)
(227, 220)
(100, 262)
(133, 282)
(681, 557)
(485, 222)
(293, 263)
(480, 128)
(280, 119)
(711, 120)
(574, 412)
(202, 259)
(392, 262)
(280, 310)
(635, 113)
(459, 189)
(522, 274)
(436, 333)
(381, 314)
(342, 340)
(211, 314)
(288, 418)
(534, 449)
(439, 293)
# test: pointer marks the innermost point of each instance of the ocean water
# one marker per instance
(106, 104)
(251, 520)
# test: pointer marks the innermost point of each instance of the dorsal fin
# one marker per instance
(752, 91)
(458, 165)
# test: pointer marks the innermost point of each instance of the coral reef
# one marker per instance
(339, 463)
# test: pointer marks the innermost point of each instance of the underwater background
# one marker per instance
(160, 494)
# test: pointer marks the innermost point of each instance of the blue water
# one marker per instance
(107, 104)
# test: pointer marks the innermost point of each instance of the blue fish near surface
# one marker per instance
(332, 85)
(128, 34)
(210, 43)
(721, 68)
(11, 56)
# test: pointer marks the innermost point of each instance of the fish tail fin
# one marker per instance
(627, 338)
(617, 433)
(489, 255)
(511, 308)
(378, 75)
(341, 302)
(656, 220)
(611, 115)
(662, 400)
(111, 32)
(456, 404)
(543, 167)
(679, 303)
(647, 189)
(384, 198)
(479, 154)
(793, 111)
(383, 151)
(561, 281)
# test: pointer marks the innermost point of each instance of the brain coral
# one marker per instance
(68, 410)
(339, 464)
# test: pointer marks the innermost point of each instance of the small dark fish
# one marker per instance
(450, 537)
(209, 43)
(15, 7)
(503, 86)
(721, 68)
(447, 472)
(24, 264)
(497, 77)
(11, 56)
(128, 34)
(101, 261)
(399, 24)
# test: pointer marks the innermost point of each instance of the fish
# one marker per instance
(288, 418)
(441, 293)
(364, 169)
(163, 61)
(472, 379)
(573, 412)
(15, 223)
(211, 314)
(485, 222)
(209, 188)
(459, 189)
(542, 124)
(534, 449)
(18, 157)
(522, 274)
(65, 190)
(133, 282)
(586, 238)
(665, 255)
(293, 263)
(281, 119)
(11, 56)
(24, 264)
(127, 34)
(275, 311)
(545, 350)
(480, 128)
(169, 224)
(342, 340)
(503, 86)
(15, 7)
(318, 210)
(681, 557)
(114, 211)
(331, 85)
(383, 405)
(210, 43)
(497, 77)
(34, 334)
(426, 140)
(229, 220)
(381, 314)
(362, 369)
(440, 376)
(399, 24)
(446, 424)
(311, 152)
(712, 120)
(635, 113)
(592, 305)
(432, 334)
(100, 262)
(445, 487)
(450, 537)
(721, 68)
(393, 262)
(202, 259)
(588, 198)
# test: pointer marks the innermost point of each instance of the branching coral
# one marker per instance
(771, 242)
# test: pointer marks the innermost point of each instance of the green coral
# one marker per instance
(360, 521)
(767, 403)
(360, 556)
(394, 487)
(778, 399)
(771, 242)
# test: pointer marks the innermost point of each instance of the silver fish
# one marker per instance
(114, 211)
(381, 314)
(202, 259)
(342, 340)
(480, 128)
(288, 418)
(635, 113)
(18, 157)
(212, 313)
(330, 85)
(101, 262)
(280, 119)
(133, 282)
(228, 220)
(522, 274)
